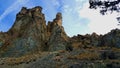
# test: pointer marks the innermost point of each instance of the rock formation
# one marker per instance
(30, 33)
(111, 39)
(30, 43)
(58, 38)
(82, 41)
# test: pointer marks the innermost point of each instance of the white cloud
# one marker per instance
(80, 0)
(13, 7)
(73, 11)
(72, 22)
(99, 23)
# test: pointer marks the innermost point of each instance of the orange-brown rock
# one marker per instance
(57, 36)
(30, 33)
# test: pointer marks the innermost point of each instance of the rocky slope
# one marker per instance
(31, 43)
(111, 39)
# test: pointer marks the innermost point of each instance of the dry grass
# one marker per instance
(88, 56)
(77, 45)
(27, 58)
(24, 59)
(114, 49)
(85, 56)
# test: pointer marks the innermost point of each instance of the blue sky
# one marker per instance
(77, 17)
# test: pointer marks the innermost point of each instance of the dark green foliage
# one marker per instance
(106, 6)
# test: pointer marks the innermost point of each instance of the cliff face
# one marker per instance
(30, 33)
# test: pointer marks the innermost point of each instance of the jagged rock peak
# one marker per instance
(58, 39)
(59, 16)
(37, 9)
(58, 19)
(94, 35)
(56, 22)
(28, 20)
(32, 12)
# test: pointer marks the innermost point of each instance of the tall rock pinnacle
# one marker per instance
(58, 38)
(58, 19)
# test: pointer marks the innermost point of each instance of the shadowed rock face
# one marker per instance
(30, 33)
(111, 39)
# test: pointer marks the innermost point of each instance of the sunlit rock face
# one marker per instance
(30, 33)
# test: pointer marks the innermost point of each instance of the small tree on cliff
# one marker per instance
(105, 6)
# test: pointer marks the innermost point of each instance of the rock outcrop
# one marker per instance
(83, 41)
(30, 34)
(57, 36)
(111, 39)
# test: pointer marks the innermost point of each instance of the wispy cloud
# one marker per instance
(77, 17)
(13, 7)
(72, 22)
